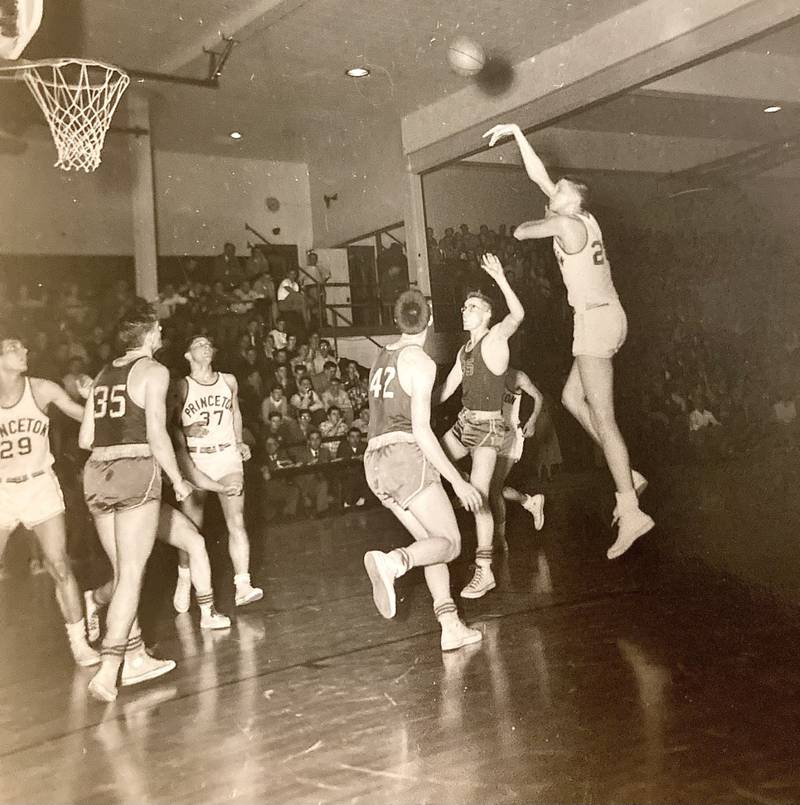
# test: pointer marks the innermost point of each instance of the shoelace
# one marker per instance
(477, 578)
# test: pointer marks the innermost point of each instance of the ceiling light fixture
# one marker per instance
(770, 109)
(357, 72)
(235, 135)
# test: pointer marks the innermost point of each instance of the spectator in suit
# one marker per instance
(354, 483)
(313, 485)
(362, 420)
(280, 493)
(296, 430)
(227, 268)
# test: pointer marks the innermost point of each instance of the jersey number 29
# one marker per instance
(379, 384)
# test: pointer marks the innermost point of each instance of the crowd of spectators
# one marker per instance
(700, 385)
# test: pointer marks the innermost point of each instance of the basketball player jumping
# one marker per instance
(124, 424)
(600, 327)
(480, 368)
(212, 429)
(29, 490)
(516, 384)
(403, 463)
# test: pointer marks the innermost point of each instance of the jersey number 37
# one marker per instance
(380, 381)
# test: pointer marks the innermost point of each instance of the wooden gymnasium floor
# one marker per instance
(630, 681)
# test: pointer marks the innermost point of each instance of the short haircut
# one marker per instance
(303, 411)
(334, 408)
(276, 386)
(275, 413)
(412, 312)
(477, 293)
(135, 323)
(329, 365)
(314, 432)
(354, 430)
(581, 187)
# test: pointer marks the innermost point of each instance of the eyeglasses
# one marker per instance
(473, 306)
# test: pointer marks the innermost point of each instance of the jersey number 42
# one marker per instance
(381, 380)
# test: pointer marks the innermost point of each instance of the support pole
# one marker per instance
(145, 247)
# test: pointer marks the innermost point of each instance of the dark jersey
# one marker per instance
(481, 389)
(389, 405)
(117, 418)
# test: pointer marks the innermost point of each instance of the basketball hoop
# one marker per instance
(78, 98)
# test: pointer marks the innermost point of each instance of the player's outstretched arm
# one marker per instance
(516, 313)
(155, 409)
(46, 392)
(421, 372)
(533, 165)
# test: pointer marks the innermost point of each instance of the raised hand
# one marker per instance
(500, 131)
(493, 267)
(83, 384)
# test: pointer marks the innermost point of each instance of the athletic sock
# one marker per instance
(76, 632)
(483, 557)
(403, 561)
(205, 601)
(184, 573)
(444, 609)
(242, 580)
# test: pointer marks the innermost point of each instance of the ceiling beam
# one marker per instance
(240, 26)
(633, 48)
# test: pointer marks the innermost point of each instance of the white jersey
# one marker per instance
(587, 273)
(212, 405)
(511, 401)
(24, 437)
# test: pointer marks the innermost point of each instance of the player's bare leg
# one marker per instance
(597, 381)
(194, 508)
(133, 533)
(52, 537)
(431, 522)
(483, 463)
(177, 530)
(497, 502)
(238, 543)
(531, 503)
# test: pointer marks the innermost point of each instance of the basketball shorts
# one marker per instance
(219, 463)
(30, 502)
(121, 483)
(512, 444)
(479, 430)
(599, 331)
(398, 472)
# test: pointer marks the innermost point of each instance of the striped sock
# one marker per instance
(135, 643)
(483, 557)
(444, 608)
(113, 652)
(205, 601)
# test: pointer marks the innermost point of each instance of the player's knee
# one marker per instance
(454, 549)
(569, 400)
(59, 569)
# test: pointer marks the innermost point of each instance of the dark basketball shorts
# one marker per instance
(397, 472)
(473, 429)
(121, 483)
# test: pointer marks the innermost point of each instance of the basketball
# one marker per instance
(465, 57)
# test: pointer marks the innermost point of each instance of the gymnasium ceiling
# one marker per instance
(284, 86)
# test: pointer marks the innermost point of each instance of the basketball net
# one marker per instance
(78, 97)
